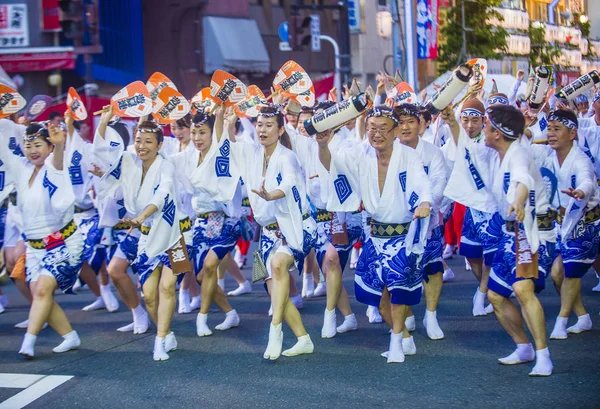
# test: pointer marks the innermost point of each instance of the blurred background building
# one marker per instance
(48, 45)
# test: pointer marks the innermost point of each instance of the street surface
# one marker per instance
(226, 370)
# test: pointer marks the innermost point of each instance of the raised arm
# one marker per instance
(449, 118)
(219, 121)
(105, 118)
(57, 138)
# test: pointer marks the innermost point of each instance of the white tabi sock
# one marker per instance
(303, 346)
(448, 275)
(479, 304)
(160, 354)
(202, 329)
(110, 301)
(221, 283)
(71, 341)
(348, 325)
(308, 285)
(140, 320)
(432, 326)
(321, 289)
(275, 344)
(244, 288)
(96, 305)
(410, 323)
(543, 363)
(329, 324)
(560, 328)
(184, 302)
(170, 342)
(27, 346)
(195, 303)
(584, 323)
(523, 353)
(395, 353)
(3, 301)
(232, 320)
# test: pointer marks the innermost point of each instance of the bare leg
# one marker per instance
(485, 276)
(558, 273)
(117, 269)
(233, 269)
(509, 317)
(209, 284)
(433, 290)
(570, 290)
(477, 267)
(88, 276)
(166, 301)
(150, 289)
(280, 286)
(103, 274)
(333, 277)
(24, 290)
(532, 312)
(291, 315)
(44, 309)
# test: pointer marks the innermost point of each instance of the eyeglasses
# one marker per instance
(382, 132)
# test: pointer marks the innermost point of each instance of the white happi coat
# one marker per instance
(158, 188)
(78, 157)
(589, 142)
(435, 167)
(576, 172)
(353, 177)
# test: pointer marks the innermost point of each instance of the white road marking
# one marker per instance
(34, 386)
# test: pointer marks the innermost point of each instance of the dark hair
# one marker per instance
(36, 127)
(122, 130)
(54, 114)
(151, 127)
(185, 122)
(324, 105)
(426, 115)
(274, 112)
(203, 118)
(238, 125)
(508, 117)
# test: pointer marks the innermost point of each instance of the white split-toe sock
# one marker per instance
(298, 302)
(523, 353)
(448, 275)
(448, 252)
(395, 353)
(410, 323)
(244, 288)
(232, 320)
(597, 287)
(202, 329)
(321, 290)
(170, 342)
(141, 321)
(308, 285)
(183, 301)
(110, 301)
(303, 346)
(71, 341)
(489, 309)
(584, 323)
(27, 346)
(96, 305)
(160, 354)
(408, 347)
(543, 363)
(373, 315)
(329, 324)
(432, 326)
(348, 325)
(25, 324)
(275, 344)
(479, 304)
(195, 303)
(560, 328)
(126, 328)
(270, 310)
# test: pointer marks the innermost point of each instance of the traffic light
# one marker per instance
(71, 18)
(299, 32)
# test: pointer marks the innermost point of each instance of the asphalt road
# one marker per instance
(226, 370)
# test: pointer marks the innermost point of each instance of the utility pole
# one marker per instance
(463, 51)
(396, 38)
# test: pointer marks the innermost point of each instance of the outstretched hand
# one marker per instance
(576, 194)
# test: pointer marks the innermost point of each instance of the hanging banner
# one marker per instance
(427, 29)
(14, 31)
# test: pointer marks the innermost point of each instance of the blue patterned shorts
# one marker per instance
(221, 245)
(504, 271)
(481, 235)
(92, 235)
(432, 257)
(355, 231)
(578, 254)
(384, 263)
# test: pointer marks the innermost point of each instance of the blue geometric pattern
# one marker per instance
(412, 201)
(278, 179)
(550, 182)
(573, 181)
(169, 211)
(296, 195)
(225, 148)
(506, 181)
(426, 169)
(76, 158)
(2, 180)
(343, 190)
(543, 124)
(116, 173)
(52, 188)
(76, 175)
(474, 173)
(114, 144)
(402, 177)
(122, 211)
(222, 166)
(14, 147)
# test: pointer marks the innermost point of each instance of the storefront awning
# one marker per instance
(37, 59)
(234, 45)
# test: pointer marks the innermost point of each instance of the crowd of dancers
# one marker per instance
(511, 186)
